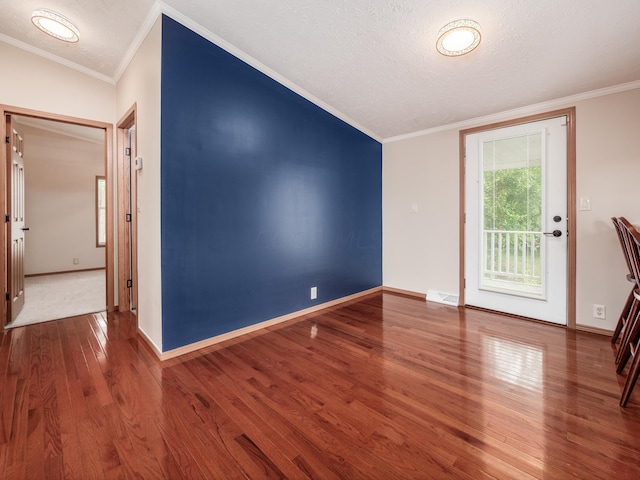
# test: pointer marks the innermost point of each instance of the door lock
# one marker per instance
(555, 233)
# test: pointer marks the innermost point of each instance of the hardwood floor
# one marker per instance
(385, 387)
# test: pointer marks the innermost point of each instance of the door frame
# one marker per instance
(128, 250)
(570, 113)
(5, 236)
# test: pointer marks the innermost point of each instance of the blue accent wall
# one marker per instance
(264, 195)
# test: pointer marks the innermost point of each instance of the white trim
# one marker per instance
(146, 27)
(54, 58)
(192, 347)
(518, 112)
(160, 7)
(236, 52)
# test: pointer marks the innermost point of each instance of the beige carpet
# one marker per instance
(51, 297)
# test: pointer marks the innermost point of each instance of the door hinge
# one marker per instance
(7, 218)
(129, 283)
(127, 151)
(6, 139)
(7, 296)
(127, 218)
(464, 283)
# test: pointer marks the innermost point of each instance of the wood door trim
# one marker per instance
(571, 198)
(5, 236)
(128, 120)
(108, 134)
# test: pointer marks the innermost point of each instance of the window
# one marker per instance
(101, 212)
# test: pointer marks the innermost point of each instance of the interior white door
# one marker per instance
(516, 220)
(16, 261)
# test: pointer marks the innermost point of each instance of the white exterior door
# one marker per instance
(516, 220)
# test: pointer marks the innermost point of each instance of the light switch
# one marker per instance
(414, 207)
(585, 203)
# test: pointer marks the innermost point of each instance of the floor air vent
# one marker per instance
(439, 297)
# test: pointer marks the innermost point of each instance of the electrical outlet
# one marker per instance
(314, 293)
(599, 311)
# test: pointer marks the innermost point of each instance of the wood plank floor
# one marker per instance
(386, 387)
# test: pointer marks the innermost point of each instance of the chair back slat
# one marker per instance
(620, 231)
(631, 239)
(631, 306)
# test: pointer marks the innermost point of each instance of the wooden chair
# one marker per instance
(632, 348)
(628, 234)
(624, 315)
(630, 339)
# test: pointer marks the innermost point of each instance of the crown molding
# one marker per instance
(160, 8)
(144, 30)
(248, 59)
(518, 112)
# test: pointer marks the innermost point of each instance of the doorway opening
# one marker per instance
(517, 222)
(55, 235)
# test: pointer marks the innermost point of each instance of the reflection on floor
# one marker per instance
(382, 387)
(50, 297)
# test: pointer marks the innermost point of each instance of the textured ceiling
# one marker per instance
(374, 61)
(107, 29)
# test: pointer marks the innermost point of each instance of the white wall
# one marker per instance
(140, 84)
(608, 169)
(60, 174)
(421, 250)
(31, 81)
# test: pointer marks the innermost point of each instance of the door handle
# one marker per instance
(25, 229)
(555, 233)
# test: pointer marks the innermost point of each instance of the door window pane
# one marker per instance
(512, 250)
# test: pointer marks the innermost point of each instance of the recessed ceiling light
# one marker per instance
(458, 37)
(56, 25)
